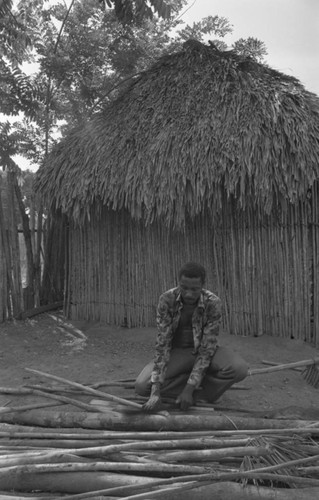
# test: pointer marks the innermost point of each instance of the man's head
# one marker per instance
(191, 278)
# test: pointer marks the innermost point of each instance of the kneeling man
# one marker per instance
(188, 360)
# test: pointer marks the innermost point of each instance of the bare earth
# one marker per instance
(89, 353)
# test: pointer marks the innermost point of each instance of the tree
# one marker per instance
(84, 54)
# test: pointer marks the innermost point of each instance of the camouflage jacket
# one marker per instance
(206, 323)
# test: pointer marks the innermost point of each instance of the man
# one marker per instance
(188, 360)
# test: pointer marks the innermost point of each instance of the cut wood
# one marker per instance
(272, 363)
(227, 490)
(147, 467)
(212, 454)
(66, 400)
(79, 434)
(88, 390)
(104, 451)
(32, 406)
(143, 422)
(69, 482)
(285, 366)
(15, 390)
(41, 309)
(55, 443)
(200, 479)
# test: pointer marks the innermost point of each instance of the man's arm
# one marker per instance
(162, 352)
(206, 351)
(209, 341)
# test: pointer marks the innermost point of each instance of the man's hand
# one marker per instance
(185, 399)
(154, 402)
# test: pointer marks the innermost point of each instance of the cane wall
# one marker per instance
(265, 269)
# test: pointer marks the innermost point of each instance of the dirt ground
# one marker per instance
(89, 353)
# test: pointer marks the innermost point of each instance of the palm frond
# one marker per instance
(5, 8)
(284, 449)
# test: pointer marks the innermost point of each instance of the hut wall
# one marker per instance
(119, 267)
(265, 269)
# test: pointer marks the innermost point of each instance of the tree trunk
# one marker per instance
(16, 290)
(37, 258)
(29, 296)
(5, 263)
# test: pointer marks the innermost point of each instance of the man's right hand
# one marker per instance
(154, 402)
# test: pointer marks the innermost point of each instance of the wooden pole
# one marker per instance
(88, 390)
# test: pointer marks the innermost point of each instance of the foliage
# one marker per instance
(211, 25)
(85, 55)
(251, 47)
(129, 11)
(5, 8)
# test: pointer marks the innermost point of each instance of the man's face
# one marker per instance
(190, 289)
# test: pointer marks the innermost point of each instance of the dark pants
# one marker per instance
(225, 369)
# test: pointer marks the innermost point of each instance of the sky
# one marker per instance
(289, 29)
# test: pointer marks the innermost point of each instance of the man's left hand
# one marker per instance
(185, 399)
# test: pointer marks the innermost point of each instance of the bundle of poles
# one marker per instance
(109, 448)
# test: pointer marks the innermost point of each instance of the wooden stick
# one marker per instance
(34, 406)
(14, 390)
(49, 433)
(88, 390)
(67, 400)
(172, 469)
(306, 362)
(212, 454)
(271, 363)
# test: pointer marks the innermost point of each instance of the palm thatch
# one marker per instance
(198, 125)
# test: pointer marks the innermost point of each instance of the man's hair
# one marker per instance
(193, 270)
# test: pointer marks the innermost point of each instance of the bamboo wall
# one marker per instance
(266, 270)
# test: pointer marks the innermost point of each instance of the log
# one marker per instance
(230, 490)
(15, 430)
(69, 482)
(146, 490)
(153, 422)
(217, 491)
(41, 309)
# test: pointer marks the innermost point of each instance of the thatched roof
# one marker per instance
(197, 125)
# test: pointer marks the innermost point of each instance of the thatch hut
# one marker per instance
(206, 156)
